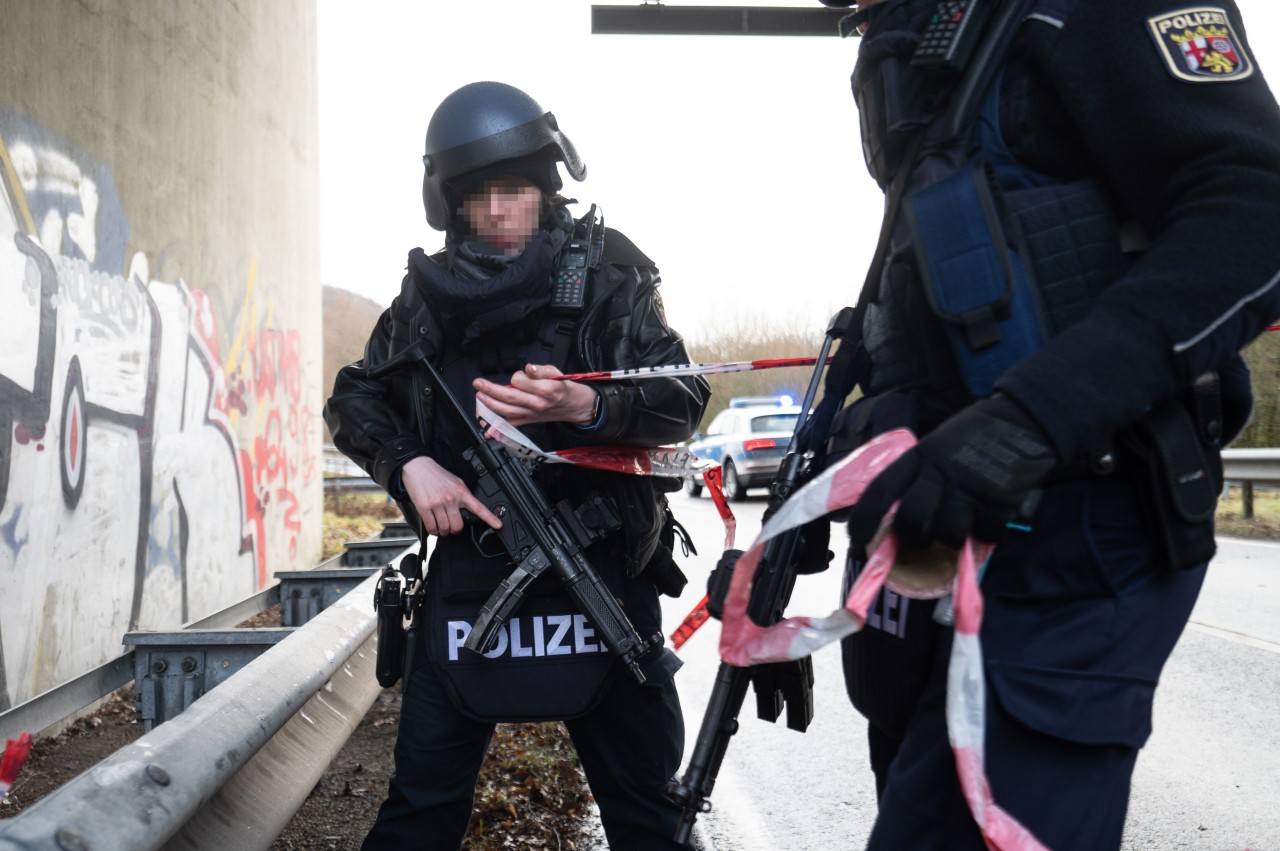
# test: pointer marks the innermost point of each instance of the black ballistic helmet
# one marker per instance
(484, 124)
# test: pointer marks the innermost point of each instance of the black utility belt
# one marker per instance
(1180, 478)
(1178, 474)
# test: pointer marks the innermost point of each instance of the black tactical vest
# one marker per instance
(987, 257)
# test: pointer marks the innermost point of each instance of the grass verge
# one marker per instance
(1265, 522)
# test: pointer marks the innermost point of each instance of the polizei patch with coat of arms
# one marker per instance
(1200, 46)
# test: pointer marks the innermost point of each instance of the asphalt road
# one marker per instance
(1209, 778)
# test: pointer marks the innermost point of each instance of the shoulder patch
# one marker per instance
(1199, 45)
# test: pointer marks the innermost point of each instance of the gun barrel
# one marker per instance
(693, 790)
(770, 592)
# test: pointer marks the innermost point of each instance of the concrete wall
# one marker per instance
(159, 317)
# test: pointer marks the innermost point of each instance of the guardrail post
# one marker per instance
(1246, 499)
(174, 669)
(306, 593)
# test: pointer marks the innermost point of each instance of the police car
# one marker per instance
(748, 440)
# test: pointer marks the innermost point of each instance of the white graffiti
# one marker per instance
(122, 484)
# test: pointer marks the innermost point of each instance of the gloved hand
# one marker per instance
(812, 554)
(968, 477)
(718, 582)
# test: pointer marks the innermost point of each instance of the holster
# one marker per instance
(388, 602)
(1179, 473)
(392, 600)
(662, 569)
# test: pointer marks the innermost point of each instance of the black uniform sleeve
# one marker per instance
(1196, 163)
(655, 410)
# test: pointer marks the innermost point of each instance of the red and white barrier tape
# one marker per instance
(682, 369)
(744, 643)
(638, 461)
(699, 614)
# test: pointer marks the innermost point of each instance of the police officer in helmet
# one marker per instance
(1080, 237)
(483, 306)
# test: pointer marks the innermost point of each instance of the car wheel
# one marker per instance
(733, 489)
(691, 487)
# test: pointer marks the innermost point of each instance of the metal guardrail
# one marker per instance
(334, 463)
(359, 484)
(50, 707)
(1251, 465)
(210, 778)
(1241, 465)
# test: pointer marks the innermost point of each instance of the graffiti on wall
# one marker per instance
(151, 462)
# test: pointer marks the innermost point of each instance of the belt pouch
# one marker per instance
(1179, 485)
(971, 277)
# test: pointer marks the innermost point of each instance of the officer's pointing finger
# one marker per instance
(479, 509)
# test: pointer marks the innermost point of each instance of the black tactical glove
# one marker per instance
(718, 582)
(812, 554)
(970, 476)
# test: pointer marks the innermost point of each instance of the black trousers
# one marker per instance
(630, 747)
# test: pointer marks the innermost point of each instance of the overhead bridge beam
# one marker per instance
(660, 19)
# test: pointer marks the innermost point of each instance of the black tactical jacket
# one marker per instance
(1097, 89)
(382, 424)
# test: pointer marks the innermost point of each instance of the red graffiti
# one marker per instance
(266, 388)
(276, 364)
(269, 453)
(288, 498)
(255, 516)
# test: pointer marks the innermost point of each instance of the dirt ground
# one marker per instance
(531, 792)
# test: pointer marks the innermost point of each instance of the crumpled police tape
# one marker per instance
(744, 643)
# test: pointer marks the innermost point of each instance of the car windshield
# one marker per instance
(773, 422)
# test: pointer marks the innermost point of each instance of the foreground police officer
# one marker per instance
(485, 304)
(1081, 235)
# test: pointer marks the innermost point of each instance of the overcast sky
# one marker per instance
(733, 162)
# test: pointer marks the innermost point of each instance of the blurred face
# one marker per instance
(504, 213)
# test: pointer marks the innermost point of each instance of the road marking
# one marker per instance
(1237, 637)
(1250, 542)
(737, 816)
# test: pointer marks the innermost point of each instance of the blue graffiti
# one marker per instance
(9, 531)
(57, 178)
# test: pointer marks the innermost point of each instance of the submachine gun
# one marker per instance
(789, 683)
(538, 536)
